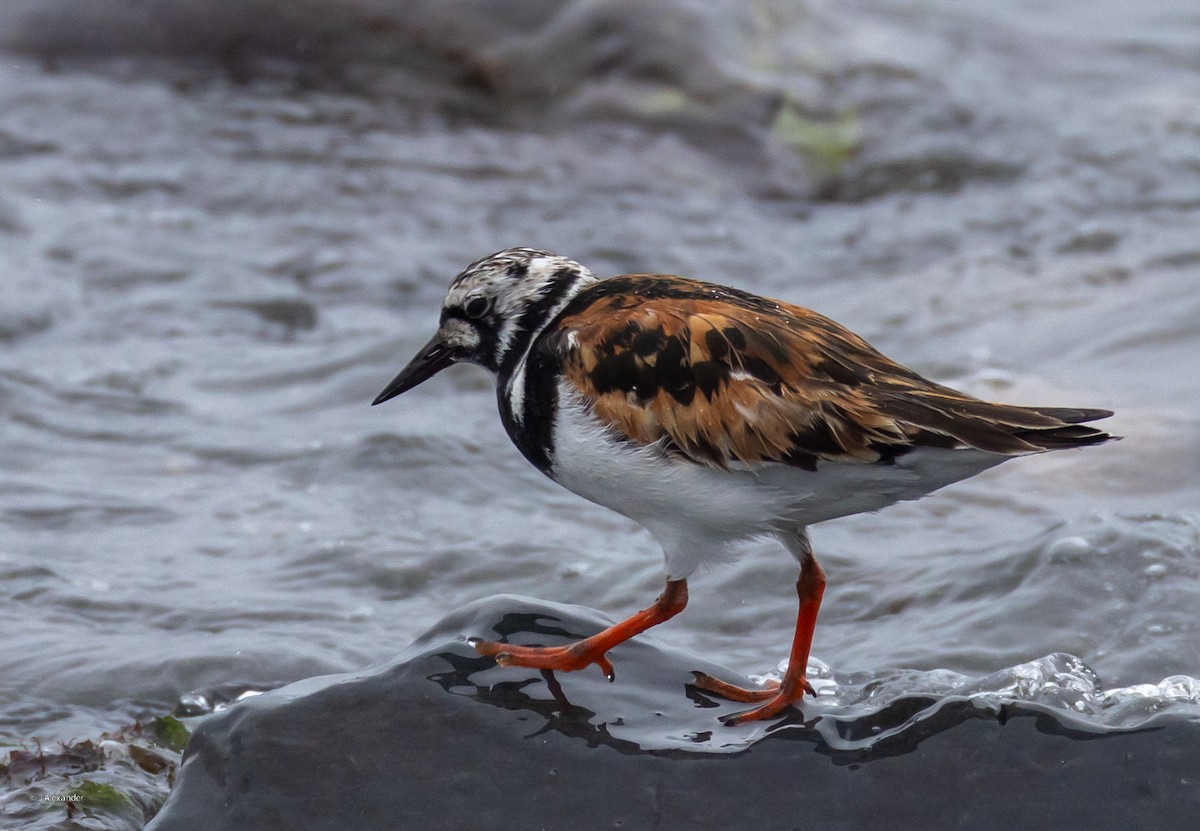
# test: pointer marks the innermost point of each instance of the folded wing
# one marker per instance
(727, 377)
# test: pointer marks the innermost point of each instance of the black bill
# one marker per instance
(432, 359)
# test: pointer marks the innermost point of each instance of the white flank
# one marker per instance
(696, 511)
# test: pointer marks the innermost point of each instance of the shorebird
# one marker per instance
(711, 415)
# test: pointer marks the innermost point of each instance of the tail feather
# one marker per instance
(1072, 415)
(1062, 438)
(1005, 429)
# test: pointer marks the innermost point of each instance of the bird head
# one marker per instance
(492, 312)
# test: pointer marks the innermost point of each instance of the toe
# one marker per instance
(733, 692)
(782, 700)
(769, 710)
(486, 647)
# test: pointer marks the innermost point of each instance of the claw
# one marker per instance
(483, 647)
(564, 658)
(574, 656)
(772, 708)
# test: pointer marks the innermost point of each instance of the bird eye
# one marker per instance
(477, 307)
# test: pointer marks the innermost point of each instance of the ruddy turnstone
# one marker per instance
(711, 415)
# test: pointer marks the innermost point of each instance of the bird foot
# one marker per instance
(568, 658)
(771, 709)
(777, 696)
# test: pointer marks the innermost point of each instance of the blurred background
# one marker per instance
(225, 225)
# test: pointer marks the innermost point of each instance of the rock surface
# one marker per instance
(445, 739)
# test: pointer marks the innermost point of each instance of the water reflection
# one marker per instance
(855, 719)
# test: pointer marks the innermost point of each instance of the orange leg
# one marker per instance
(589, 650)
(779, 696)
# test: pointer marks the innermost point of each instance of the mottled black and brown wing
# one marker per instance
(725, 376)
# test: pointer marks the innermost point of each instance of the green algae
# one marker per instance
(826, 144)
(170, 733)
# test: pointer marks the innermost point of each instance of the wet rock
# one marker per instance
(289, 313)
(21, 323)
(443, 738)
(923, 170)
(716, 76)
(15, 146)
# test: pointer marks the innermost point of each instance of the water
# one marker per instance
(221, 235)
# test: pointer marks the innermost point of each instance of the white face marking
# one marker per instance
(516, 393)
(459, 333)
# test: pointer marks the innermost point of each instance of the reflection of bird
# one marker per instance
(711, 415)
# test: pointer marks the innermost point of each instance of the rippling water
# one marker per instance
(220, 235)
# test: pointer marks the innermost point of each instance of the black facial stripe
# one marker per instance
(535, 315)
(489, 342)
(534, 435)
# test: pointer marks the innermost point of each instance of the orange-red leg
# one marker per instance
(591, 650)
(779, 696)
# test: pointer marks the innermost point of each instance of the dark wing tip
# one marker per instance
(1073, 415)
(1063, 438)
(1072, 433)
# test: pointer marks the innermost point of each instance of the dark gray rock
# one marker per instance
(445, 739)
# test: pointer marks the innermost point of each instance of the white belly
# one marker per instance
(695, 511)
